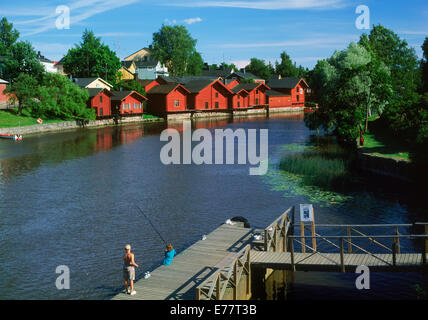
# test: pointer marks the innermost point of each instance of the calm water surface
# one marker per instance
(69, 199)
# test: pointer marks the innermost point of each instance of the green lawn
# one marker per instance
(381, 142)
(10, 118)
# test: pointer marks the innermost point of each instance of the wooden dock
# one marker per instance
(332, 261)
(224, 265)
(179, 280)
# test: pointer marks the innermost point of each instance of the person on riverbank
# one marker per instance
(129, 266)
(169, 255)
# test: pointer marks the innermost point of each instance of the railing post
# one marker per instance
(198, 294)
(249, 272)
(291, 242)
(218, 289)
(266, 240)
(394, 251)
(274, 241)
(424, 254)
(348, 231)
(398, 239)
(235, 288)
(342, 260)
(302, 239)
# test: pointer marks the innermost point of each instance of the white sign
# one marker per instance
(306, 213)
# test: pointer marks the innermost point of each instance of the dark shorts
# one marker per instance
(129, 273)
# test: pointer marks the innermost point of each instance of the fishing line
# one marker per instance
(154, 228)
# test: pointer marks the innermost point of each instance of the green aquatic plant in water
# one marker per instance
(319, 171)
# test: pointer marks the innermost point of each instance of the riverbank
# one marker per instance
(75, 124)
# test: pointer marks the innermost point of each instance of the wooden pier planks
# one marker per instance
(191, 267)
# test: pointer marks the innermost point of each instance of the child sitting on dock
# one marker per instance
(169, 254)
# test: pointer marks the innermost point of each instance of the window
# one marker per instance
(297, 97)
(135, 106)
(123, 106)
(100, 111)
(257, 100)
(239, 104)
(176, 103)
(129, 106)
(216, 94)
(216, 104)
(206, 105)
(101, 99)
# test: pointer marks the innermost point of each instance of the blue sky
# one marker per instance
(226, 30)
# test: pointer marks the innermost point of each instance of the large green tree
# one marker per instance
(195, 65)
(23, 89)
(286, 68)
(349, 85)
(259, 68)
(174, 47)
(92, 58)
(424, 66)
(402, 61)
(60, 98)
(17, 56)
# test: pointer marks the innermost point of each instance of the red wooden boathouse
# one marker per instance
(127, 103)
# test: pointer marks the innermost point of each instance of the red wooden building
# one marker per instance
(256, 93)
(167, 98)
(240, 99)
(208, 95)
(293, 87)
(100, 101)
(127, 103)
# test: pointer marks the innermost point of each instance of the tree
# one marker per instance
(424, 66)
(348, 86)
(195, 64)
(385, 46)
(259, 68)
(91, 58)
(175, 48)
(286, 68)
(130, 85)
(60, 98)
(17, 57)
(24, 89)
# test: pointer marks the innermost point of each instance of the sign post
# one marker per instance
(307, 216)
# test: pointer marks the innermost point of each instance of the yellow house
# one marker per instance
(127, 71)
(92, 83)
(140, 55)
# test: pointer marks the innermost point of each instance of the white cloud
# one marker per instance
(192, 20)
(241, 63)
(79, 11)
(262, 5)
(413, 32)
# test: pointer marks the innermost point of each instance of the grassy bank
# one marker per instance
(381, 142)
(10, 119)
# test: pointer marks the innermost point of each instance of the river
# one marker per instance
(70, 199)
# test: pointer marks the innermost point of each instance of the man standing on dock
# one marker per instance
(129, 270)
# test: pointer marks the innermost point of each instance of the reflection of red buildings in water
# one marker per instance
(104, 141)
(130, 135)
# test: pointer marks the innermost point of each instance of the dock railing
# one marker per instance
(228, 276)
(275, 234)
(395, 240)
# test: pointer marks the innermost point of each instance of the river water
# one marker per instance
(70, 199)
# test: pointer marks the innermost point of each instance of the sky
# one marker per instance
(233, 31)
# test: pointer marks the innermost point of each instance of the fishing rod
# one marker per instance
(154, 228)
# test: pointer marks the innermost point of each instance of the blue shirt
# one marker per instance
(168, 257)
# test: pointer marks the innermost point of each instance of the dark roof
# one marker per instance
(127, 64)
(94, 91)
(163, 88)
(284, 83)
(42, 58)
(246, 86)
(195, 86)
(119, 95)
(273, 93)
(144, 82)
(216, 73)
(244, 75)
(187, 79)
(146, 64)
